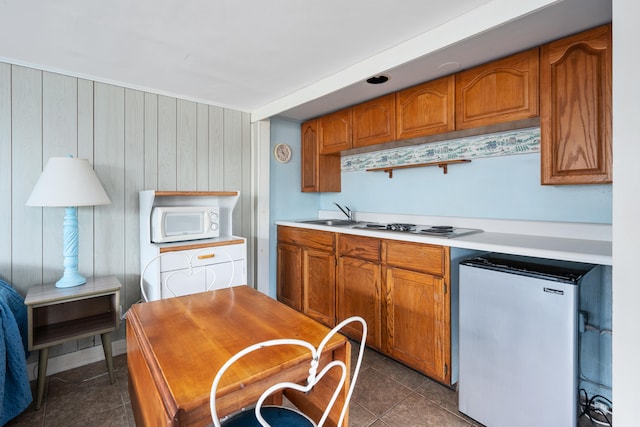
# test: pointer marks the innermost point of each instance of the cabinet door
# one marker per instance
(319, 286)
(575, 119)
(500, 91)
(374, 122)
(418, 322)
(289, 283)
(335, 131)
(426, 109)
(359, 295)
(320, 173)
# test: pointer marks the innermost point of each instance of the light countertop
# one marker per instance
(561, 248)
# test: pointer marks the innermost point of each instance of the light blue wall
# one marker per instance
(506, 187)
(495, 187)
(286, 200)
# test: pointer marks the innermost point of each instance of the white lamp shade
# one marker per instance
(68, 181)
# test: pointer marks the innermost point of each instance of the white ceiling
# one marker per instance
(293, 58)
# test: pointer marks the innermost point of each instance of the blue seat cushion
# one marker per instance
(276, 416)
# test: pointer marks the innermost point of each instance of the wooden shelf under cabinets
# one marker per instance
(443, 165)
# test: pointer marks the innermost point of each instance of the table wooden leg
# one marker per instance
(43, 357)
(106, 346)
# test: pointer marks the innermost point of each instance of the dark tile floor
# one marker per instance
(387, 394)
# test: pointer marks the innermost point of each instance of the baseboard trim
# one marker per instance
(64, 362)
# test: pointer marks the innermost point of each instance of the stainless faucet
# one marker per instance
(345, 211)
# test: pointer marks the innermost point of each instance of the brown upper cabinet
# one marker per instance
(499, 91)
(426, 109)
(334, 131)
(374, 122)
(320, 172)
(567, 83)
(575, 113)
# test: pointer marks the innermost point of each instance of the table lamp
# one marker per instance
(68, 182)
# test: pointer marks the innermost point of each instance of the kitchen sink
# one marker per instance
(334, 222)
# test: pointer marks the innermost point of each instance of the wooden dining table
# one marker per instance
(176, 346)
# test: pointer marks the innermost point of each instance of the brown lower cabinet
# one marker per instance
(359, 285)
(400, 288)
(306, 272)
(417, 306)
(417, 321)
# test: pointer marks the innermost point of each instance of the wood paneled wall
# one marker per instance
(135, 141)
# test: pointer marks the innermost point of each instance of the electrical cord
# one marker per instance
(589, 409)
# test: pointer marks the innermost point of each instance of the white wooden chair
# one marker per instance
(280, 416)
(172, 274)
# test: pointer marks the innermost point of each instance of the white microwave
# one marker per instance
(178, 223)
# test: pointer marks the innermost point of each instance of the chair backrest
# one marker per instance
(313, 378)
(178, 273)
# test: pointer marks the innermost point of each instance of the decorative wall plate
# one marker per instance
(282, 153)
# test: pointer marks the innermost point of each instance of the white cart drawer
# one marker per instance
(203, 278)
(205, 256)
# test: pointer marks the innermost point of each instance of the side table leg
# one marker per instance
(106, 346)
(43, 358)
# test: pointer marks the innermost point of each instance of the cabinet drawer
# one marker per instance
(203, 256)
(415, 256)
(359, 247)
(323, 240)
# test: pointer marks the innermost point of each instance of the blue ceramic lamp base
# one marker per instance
(70, 277)
(71, 280)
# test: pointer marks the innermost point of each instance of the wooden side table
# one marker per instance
(56, 315)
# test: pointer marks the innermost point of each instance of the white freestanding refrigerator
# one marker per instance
(518, 340)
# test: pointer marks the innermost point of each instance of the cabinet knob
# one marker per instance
(206, 256)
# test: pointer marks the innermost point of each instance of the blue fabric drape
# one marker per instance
(15, 391)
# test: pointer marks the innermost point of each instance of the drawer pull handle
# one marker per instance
(206, 256)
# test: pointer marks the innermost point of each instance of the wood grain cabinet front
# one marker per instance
(417, 307)
(374, 122)
(306, 272)
(499, 91)
(289, 275)
(400, 288)
(426, 109)
(334, 131)
(359, 290)
(575, 119)
(320, 172)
